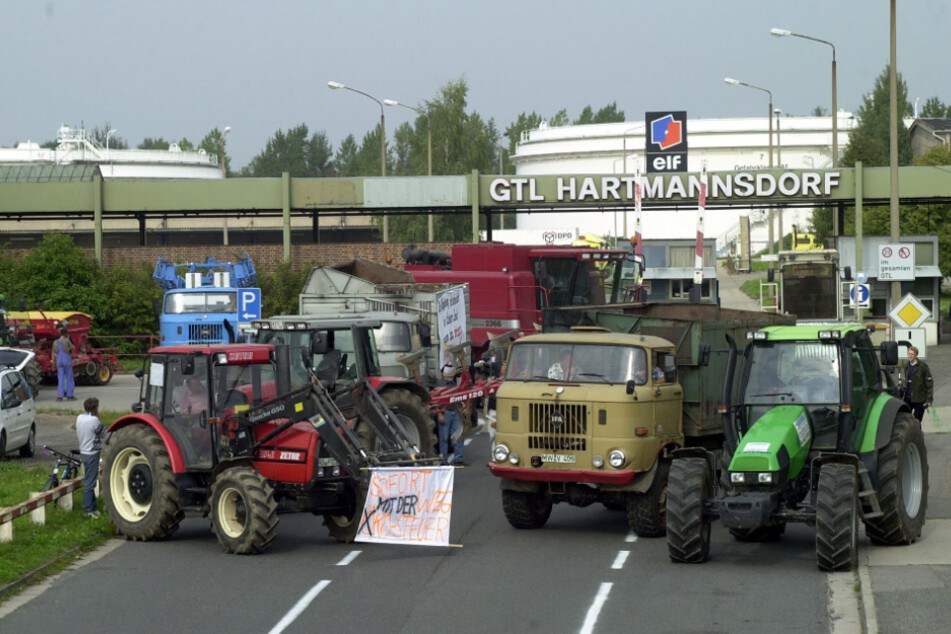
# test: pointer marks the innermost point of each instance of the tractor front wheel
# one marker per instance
(415, 418)
(902, 486)
(647, 511)
(243, 511)
(526, 509)
(345, 525)
(139, 486)
(837, 518)
(688, 535)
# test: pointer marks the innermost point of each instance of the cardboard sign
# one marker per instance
(408, 505)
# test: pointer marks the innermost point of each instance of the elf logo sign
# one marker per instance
(666, 141)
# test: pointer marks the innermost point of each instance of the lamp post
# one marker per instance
(779, 162)
(429, 149)
(224, 174)
(835, 111)
(737, 82)
(333, 85)
(108, 136)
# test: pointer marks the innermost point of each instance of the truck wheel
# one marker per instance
(33, 375)
(688, 535)
(837, 518)
(345, 526)
(647, 512)
(525, 509)
(902, 486)
(419, 425)
(103, 374)
(243, 511)
(139, 486)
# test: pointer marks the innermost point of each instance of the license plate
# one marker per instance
(560, 458)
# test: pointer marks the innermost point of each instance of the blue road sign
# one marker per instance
(249, 304)
(859, 294)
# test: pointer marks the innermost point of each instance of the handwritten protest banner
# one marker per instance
(451, 314)
(408, 505)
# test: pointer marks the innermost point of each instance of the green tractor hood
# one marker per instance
(778, 441)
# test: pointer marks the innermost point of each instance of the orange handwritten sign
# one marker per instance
(408, 505)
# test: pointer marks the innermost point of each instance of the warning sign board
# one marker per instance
(896, 262)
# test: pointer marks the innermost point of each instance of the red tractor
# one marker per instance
(220, 432)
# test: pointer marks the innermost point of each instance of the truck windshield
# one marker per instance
(299, 342)
(393, 336)
(578, 363)
(243, 385)
(627, 279)
(568, 282)
(805, 372)
(200, 302)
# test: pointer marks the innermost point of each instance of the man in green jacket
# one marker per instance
(918, 389)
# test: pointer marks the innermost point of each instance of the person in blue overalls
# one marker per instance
(64, 366)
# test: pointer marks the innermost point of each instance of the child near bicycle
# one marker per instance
(90, 431)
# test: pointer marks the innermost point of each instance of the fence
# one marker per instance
(36, 507)
(122, 357)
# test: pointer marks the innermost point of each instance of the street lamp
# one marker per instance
(429, 146)
(108, 136)
(737, 82)
(835, 111)
(333, 85)
(779, 162)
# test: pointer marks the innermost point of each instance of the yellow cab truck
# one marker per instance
(591, 409)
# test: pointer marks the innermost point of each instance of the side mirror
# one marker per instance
(139, 373)
(318, 343)
(425, 335)
(137, 407)
(703, 357)
(889, 353)
(188, 364)
(629, 387)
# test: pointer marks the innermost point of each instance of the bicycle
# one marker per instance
(66, 465)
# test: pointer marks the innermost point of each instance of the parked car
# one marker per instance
(17, 414)
(24, 360)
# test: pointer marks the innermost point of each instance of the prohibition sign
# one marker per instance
(886, 252)
(904, 252)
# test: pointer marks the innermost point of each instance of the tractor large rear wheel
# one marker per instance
(243, 511)
(902, 485)
(139, 486)
(837, 518)
(419, 425)
(526, 509)
(688, 535)
(647, 511)
(344, 525)
(33, 375)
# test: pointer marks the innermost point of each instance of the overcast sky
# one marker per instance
(178, 68)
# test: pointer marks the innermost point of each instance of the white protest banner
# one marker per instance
(451, 313)
(408, 505)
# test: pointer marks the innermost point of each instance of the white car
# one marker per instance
(17, 414)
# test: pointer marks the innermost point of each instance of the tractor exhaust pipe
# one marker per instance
(282, 374)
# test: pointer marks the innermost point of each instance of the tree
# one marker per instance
(819, 111)
(869, 143)
(214, 144)
(153, 144)
(293, 152)
(607, 114)
(928, 219)
(934, 108)
(99, 133)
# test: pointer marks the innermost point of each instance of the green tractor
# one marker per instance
(814, 432)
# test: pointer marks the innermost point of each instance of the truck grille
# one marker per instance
(557, 426)
(206, 333)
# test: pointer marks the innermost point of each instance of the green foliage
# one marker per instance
(153, 144)
(127, 297)
(869, 140)
(820, 111)
(293, 152)
(934, 108)
(280, 290)
(607, 114)
(99, 133)
(56, 275)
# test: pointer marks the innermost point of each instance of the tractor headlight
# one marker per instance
(765, 477)
(500, 453)
(737, 477)
(616, 458)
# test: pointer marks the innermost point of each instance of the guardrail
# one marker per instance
(36, 507)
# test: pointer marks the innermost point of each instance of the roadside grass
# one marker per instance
(66, 534)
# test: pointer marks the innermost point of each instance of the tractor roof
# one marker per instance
(236, 352)
(808, 332)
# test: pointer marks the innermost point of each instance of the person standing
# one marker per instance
(90, 431)
(449, 424)
(919, 384)
(64, 366)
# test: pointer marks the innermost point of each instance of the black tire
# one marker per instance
(345, 525)
(3, 445)
(33, 375)
(103, 375)
(837, 518)
(525, 509)
(139, 486)
(647, 512)
(27, 450)
(243, 511)
(688, 535)
(419, 425)
(902, 485)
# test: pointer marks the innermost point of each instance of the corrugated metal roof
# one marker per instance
(47, 173)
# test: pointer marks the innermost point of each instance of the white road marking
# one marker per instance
(299, 607)
(631, 537)
(622, 556)
(592, 617)
(346, 560)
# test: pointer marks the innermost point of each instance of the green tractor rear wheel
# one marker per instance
(837, 517)
(902, 485)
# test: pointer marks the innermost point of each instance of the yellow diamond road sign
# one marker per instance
(910, 312)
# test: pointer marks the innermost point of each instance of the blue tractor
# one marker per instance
(201, 299)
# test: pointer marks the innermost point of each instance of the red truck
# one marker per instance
(510, 284)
